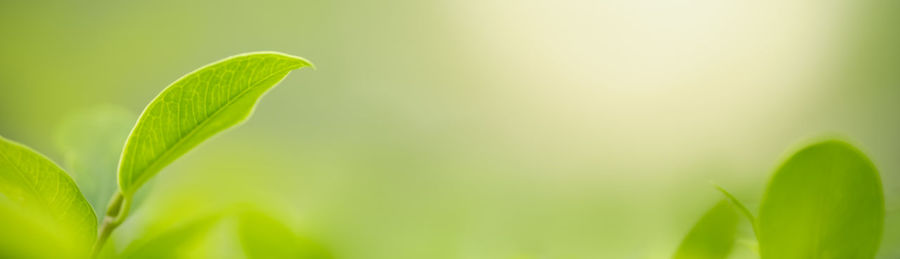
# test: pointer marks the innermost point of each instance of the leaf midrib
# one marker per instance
(202, 123)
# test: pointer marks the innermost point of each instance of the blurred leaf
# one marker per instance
(91, 142)
(713, 236)
(739, 205)
(175, 243)
(825, 201)
(265, 237)
(261, 236)
(41, 189)
(196, 107)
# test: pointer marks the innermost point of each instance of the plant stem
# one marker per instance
(116, 212)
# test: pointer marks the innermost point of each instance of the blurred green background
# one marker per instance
(475, 129)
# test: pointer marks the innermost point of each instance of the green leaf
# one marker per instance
(260, 236)
(196, 107)
(825, 201)
(90, 142)
(713, 236)
(265, 237)
(39, 188)
(739, 205)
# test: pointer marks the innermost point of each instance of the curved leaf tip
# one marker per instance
(196, 107)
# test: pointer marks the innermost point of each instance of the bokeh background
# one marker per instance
(469, 128)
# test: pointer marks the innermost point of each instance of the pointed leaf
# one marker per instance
(713, 236)
(265, 237)
(176, 242)
(825, 201)
(34, 183)
(739, 206)
(196, 107)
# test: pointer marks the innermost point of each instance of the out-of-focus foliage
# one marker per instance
(825, 201)
(739, 206)
(252, 233)
(713, 236)
(263, 236)
(178, 242)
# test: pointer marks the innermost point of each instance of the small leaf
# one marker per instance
(35, 184)
(265, 237)
(740, 206)
(825, 201)
(196, 107)
(713, 236)
(90, 142)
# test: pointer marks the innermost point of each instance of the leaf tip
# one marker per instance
(301, 62)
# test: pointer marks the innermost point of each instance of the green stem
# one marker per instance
(116, 212)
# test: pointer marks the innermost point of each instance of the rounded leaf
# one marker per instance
(825, 201)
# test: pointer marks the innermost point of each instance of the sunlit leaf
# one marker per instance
(713, 236)
(91, 142)
(825, 201)
(196, 107)
(36, 188)
(265, 237)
